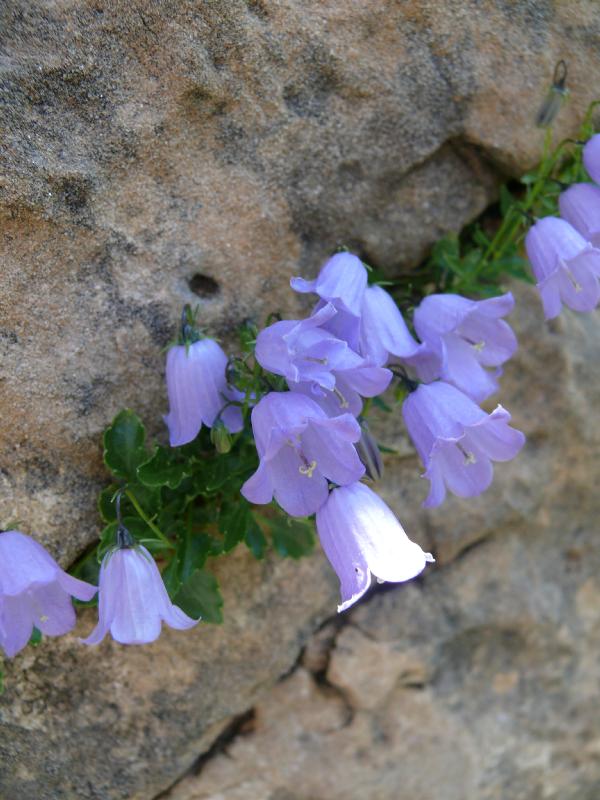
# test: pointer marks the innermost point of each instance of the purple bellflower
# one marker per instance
(132, 600)
(368, 319)
(580, 205)
(565, 265)
(301, 350)
(361, 536)
(467, 336)
(341, 282)
(198, 391)
(315, 362)
(300, 450)
(456, 440)
(591, 158)
(34, 591)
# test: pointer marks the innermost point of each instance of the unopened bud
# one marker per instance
(219, 436)
(369, 454)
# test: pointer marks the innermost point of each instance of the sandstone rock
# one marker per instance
(157, 153)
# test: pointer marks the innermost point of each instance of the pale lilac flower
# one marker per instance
(132, 599)
(300, 450)
(565, 265)
(198, 391)
(467, 336)
(591, 158)
(580, 205)
(302, 350)
(361, 536)
(456, 440)
(341, 282)
(315, 362)
(34, 591)
(383, 332)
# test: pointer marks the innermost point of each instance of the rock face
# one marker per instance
(157, 153)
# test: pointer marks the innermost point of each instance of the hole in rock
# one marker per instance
(204, 285)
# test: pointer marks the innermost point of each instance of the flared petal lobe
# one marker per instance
(361, 536)
(457, 441)
(591, 158)
(133, 601)
(342, 281)
(383, 332)
(198, 391)
(301, 449)
(34, 591)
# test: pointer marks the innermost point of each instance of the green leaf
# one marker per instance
(233, 522)
(106, 503)
(255, 539)
(291, 537)
(199, 597)
(163, 469)
(124, 445)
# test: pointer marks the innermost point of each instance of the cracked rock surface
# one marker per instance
(157, 153)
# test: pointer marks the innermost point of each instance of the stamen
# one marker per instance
(308, 469)
(576, 285)
(316, 360)
(475, 345)
(343, 402)
(469, 457)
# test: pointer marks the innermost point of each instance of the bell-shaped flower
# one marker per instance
(591, 158)
(341, 282)
(314, 361)
(34, 591)
(198, 391)
(383, 332)
(468, 336)
(301, 449)
(361, 536)
(132, 599)
(565, 265)
(456, 440)
(301, 350)
(580, 205)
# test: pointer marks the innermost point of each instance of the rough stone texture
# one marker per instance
(145, 143)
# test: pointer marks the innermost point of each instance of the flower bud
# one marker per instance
(369, 453)
(219, 436)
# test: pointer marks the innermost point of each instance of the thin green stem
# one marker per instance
(148, 521)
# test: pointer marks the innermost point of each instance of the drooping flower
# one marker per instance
(580, 205)
(302, 350)
(467, 336)
(132, 599)
(383, 332)
(198, 391)
(361, 536)
(300, 450)
(591, 158)
(565, 265)
(34, 591)
(456, 440)
(341, 282)
(315, 362)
